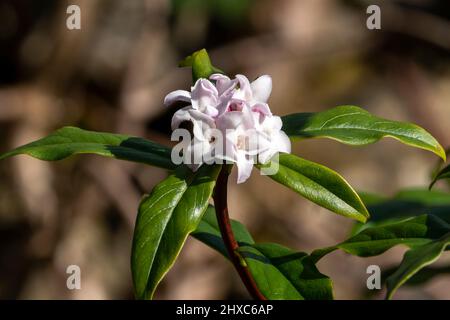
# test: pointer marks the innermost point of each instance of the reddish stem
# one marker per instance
(220, 203)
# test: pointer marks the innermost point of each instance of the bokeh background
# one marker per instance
(113, 74)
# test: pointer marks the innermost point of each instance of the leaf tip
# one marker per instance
(364, 214)
(363, 217)
(8, 154)
(440, 151)
(432, 184)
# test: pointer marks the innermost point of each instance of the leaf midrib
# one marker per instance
(103, 150)
(364, 130)
(324, 188)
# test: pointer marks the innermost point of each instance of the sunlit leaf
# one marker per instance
(414, 260)
(319, 184)
(166, 217)
(355, 126)
(68, 141)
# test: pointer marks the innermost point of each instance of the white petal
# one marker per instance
(204, 94)
(270, 124)
(230, 120)
(200, 120)
(180, 116)
(211, 111)
(283, 142)
(224, 84)
(219, 77)
(245, 90)
(262, 108)
(242, 120)
(262, 88)
(266, 149)
(244, 167)
(176, 96)
(275, 123)
(228, 152)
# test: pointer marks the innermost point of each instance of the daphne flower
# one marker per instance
(203, 97)
(201, 129)
(271, 139)
(225, 86)
(255, 94)
(240, 139)
(230, 120)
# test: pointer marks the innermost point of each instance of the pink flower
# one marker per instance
(240, 139)
(203, 97)
(245, 129)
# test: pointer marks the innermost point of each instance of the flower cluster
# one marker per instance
(230, 120)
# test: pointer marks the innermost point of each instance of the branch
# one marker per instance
(220, 203)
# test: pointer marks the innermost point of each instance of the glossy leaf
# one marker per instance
(414, 260)
(355, 126)
(208, 232)
(373, 241)
(166, 217)
(319, 184)
(271, 281)
(297, 267)
(422, 276)
(201, 65)
(443, 174)
(68, 141)
(279, 272)
(405, 204)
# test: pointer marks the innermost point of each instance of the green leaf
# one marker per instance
(409, 203)
(422, 276)
(373, 241)
(297, 267)
(355, 126)
(405, 204)
(443, 174)
(70, 140)
(208, 232)
(319, 184)
(279, 272)
(414, 260)
(271, 281)
(166, 217)
(201, 65)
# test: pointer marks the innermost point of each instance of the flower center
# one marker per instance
(235, 106)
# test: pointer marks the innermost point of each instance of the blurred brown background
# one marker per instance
(113, 74)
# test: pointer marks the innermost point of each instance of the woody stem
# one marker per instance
(220, 203)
